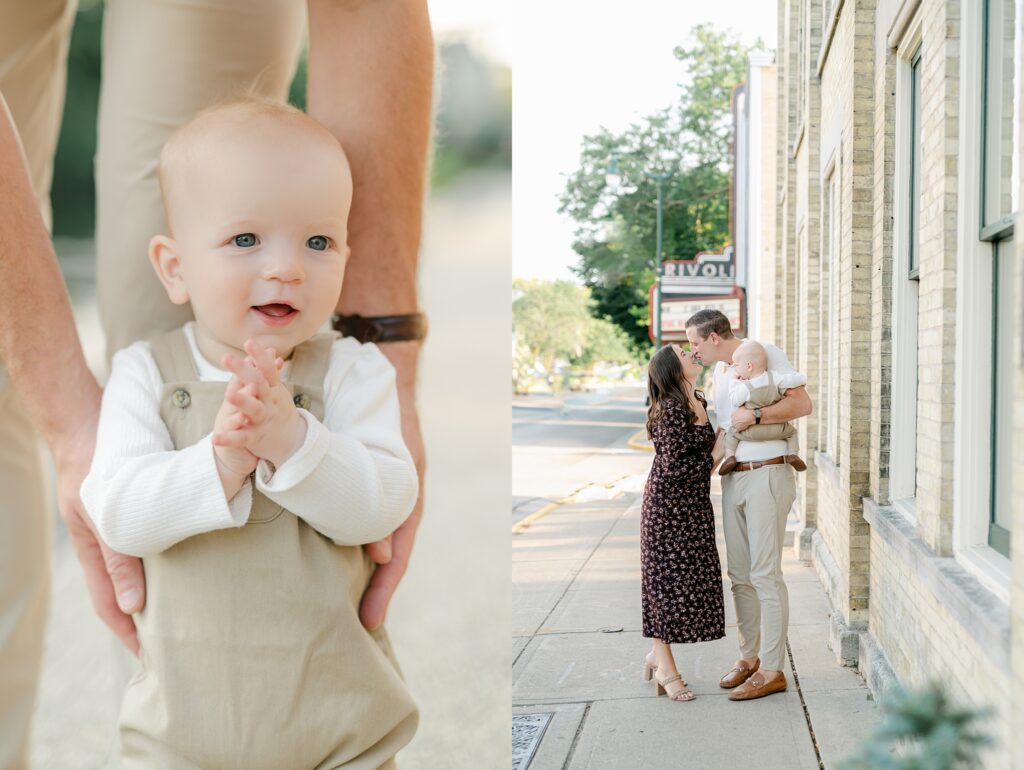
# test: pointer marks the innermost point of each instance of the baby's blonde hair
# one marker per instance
(752, 351)
(240, 113)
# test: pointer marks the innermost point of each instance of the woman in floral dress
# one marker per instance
(682, 575)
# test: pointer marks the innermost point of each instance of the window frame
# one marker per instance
(999, 234)
(1000, 228)
(972, 407)
(830, 246)
(914, 174)
(835, 257)
(905, 321)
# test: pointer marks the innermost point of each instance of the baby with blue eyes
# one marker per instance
(246, 458)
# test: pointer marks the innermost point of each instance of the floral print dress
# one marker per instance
(681, 572)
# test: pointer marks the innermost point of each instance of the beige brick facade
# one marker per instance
(904, 580)
(837, 138)
(769, 131)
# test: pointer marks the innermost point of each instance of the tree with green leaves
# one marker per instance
(553, 321)
(691, 141)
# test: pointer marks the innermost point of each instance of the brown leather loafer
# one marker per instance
(738, 674)
(757, 687)
(727, 465)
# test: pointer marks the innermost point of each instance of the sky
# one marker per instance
(580, 65)
(485, 25)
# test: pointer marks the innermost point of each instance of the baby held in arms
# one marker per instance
(756, 387)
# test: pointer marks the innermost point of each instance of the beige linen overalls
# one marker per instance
(766, 395)
(253, 655)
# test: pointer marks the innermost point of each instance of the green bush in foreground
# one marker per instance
(922, 730)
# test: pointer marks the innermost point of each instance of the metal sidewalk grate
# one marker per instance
(527, 731)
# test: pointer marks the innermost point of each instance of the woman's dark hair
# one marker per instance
(665, 381)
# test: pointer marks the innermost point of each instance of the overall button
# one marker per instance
(302, 401)
(181, 398)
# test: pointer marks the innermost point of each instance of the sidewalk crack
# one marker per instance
(803, 704)
(576, 737)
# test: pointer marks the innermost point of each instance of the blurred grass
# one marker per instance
(73, 193)
(473, 127)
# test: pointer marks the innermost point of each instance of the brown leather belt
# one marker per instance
(753, 466)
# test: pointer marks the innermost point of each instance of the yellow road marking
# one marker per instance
(522, 524)
(639, 441)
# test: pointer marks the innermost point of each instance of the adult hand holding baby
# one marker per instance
(742, 418)
(33, 345)
(114, 580)
(392, 553)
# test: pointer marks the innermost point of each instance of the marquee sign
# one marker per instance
(676, 309)
(706, 273)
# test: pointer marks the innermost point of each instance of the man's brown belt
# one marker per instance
(755, 465)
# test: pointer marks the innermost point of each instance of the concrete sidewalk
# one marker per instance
(577, 650)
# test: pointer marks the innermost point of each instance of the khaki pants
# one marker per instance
(780, 431)
(755, 505)
(162, 63)
(33, 53)
(25, 564)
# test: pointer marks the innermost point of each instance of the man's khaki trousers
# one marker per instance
(755, 505)
(162, 63)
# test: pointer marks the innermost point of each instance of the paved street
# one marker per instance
(578, 649)
(452, 644)
(579, 441)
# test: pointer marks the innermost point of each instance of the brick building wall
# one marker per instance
(787, 66)
(937, 293)
(769, 202)
(846, 154)
(881, 274)
(905, 608)
(804, 352)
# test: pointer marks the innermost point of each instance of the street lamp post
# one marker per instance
(613, 177)
(659, 179)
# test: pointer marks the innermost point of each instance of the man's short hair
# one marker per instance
(707, 320)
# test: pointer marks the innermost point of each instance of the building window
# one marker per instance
(906, 272)
(1000, 185)
(826, 322)
(914, 154)
(799, 329)
(829, 332)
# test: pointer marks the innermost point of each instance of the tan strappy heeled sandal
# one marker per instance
(686, 694)
(650, 669)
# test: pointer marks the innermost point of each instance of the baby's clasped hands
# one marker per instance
(258, 415)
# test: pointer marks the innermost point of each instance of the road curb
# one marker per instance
(639, 441)
(523, 524)
(576, 497)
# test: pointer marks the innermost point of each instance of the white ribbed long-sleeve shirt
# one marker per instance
(352, 479)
